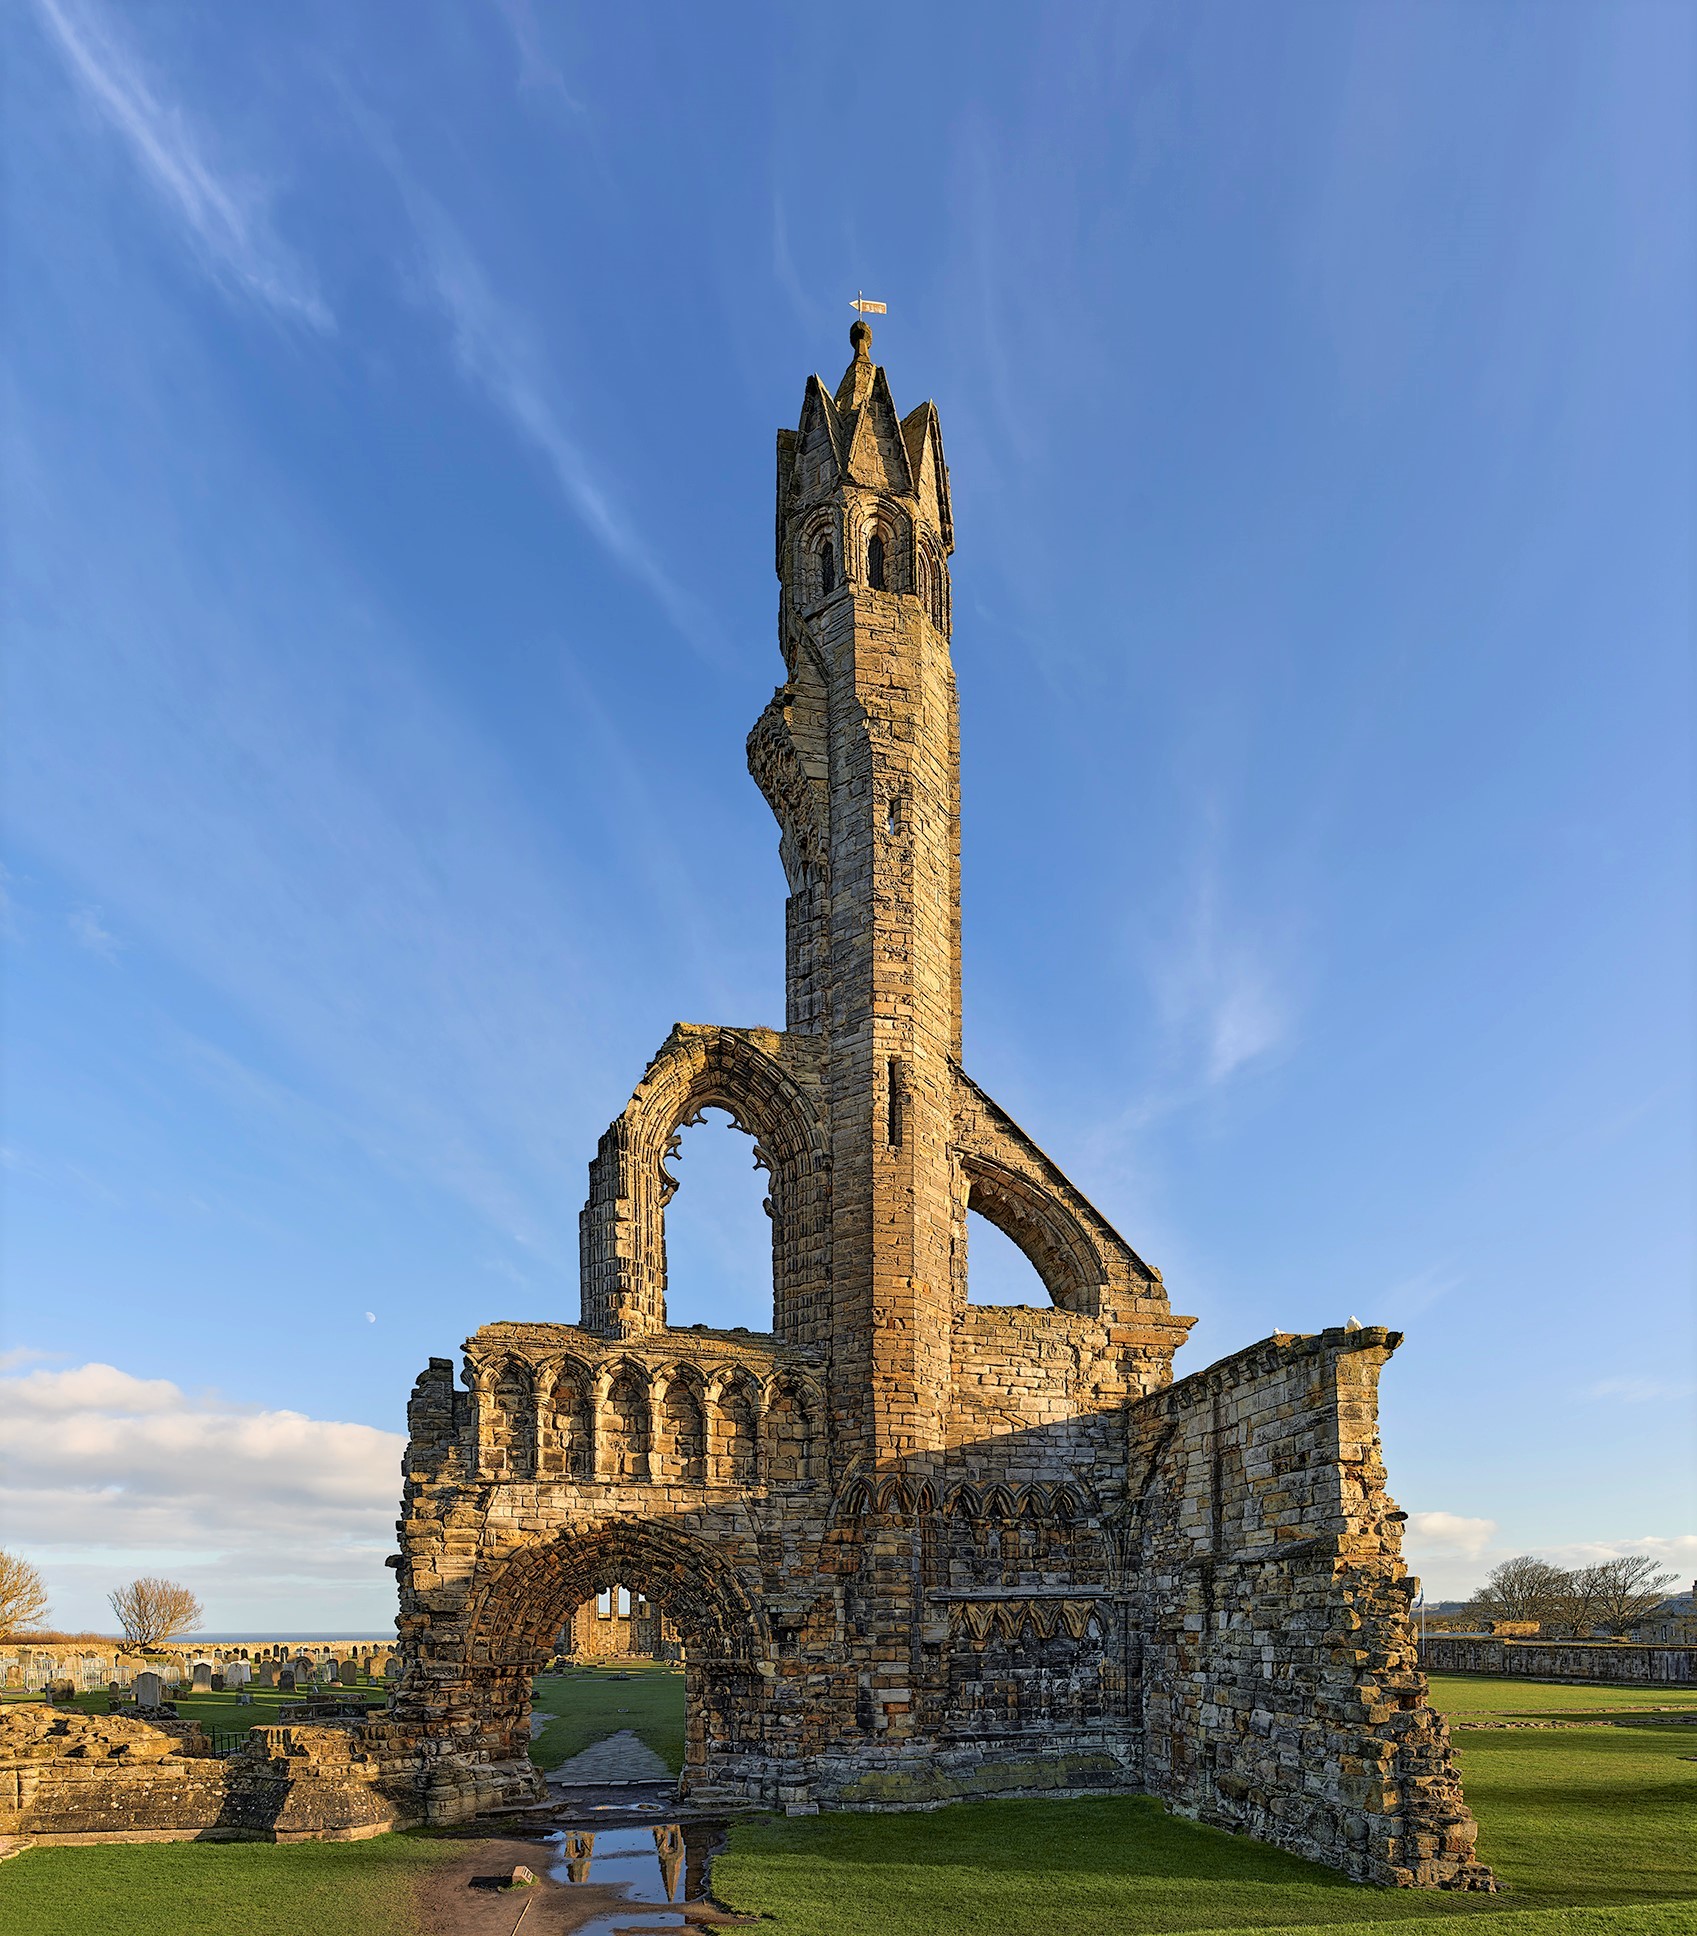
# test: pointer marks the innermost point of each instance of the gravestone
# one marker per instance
(347, 1672)
(201, 1681)
(149, 1690)
(286, 1681)
(218, 1684)
(392, 1667)
(324, 1673)
(244, 1699)
(267, 1675)
(237, 1673)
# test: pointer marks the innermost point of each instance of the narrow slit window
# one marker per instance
(894, 1126)
(827, 569)
(604, 1604)
(893, 814)
(875, 562)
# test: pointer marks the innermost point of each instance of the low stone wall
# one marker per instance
(72, 1777)
(1560, 1660)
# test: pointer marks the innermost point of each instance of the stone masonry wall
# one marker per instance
(915, 1548)
(1561, 1660)
(1281, 1694)
(66, 1776)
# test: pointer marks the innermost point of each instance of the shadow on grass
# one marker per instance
(589, 1704)
(1587, 1831)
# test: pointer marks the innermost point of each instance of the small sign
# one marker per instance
(869, 308)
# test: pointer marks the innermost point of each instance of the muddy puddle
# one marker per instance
(649, 1865)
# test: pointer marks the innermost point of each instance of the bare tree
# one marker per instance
(23, 1595)
(153, 1610)
(1524, 1589)
(1581, 1606)
(1627, 1590)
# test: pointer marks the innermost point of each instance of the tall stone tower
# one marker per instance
(859, 755)
(916, 1548)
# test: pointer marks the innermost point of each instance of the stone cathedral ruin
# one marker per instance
(917, 1549)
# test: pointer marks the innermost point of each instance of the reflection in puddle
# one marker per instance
(651, 1865)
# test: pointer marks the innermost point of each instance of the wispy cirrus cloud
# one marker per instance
(497, 351)
(91, 932)
(538, 69)
(1217, 985)
(1643, 1391)
(223, 218)
(1412, 1295)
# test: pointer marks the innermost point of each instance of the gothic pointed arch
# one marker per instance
(1043, 1227)
(507, 1419)
(622, 1229)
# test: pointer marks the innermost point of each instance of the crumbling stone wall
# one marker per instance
(915, 1548)
(641, 1632)
(66, 1776)
(1281, 1691)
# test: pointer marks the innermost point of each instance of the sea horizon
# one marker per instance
(277, 1633)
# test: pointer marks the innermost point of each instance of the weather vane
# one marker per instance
(869, 308)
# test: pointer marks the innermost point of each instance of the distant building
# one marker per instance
(1672, 1624)
(620, 1625)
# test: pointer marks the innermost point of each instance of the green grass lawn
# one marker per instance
(217, 1888)
(588, 1706)
(1590, 1829)
(1465, 1697)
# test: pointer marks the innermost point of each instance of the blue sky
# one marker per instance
(389, 425)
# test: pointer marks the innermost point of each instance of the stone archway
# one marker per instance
(516, 1606)
(1059, 1249)
(622, 1228)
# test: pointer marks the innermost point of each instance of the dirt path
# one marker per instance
(450, 1901)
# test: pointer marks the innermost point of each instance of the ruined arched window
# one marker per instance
(718, 1230)
(997, 1270)
(738, 1427)
(875, 561)
(627, 1429)
(512, 1424)
(787, 1427)
(827, 569)
(686, 1434)
(929, 584)
(567, 1439)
